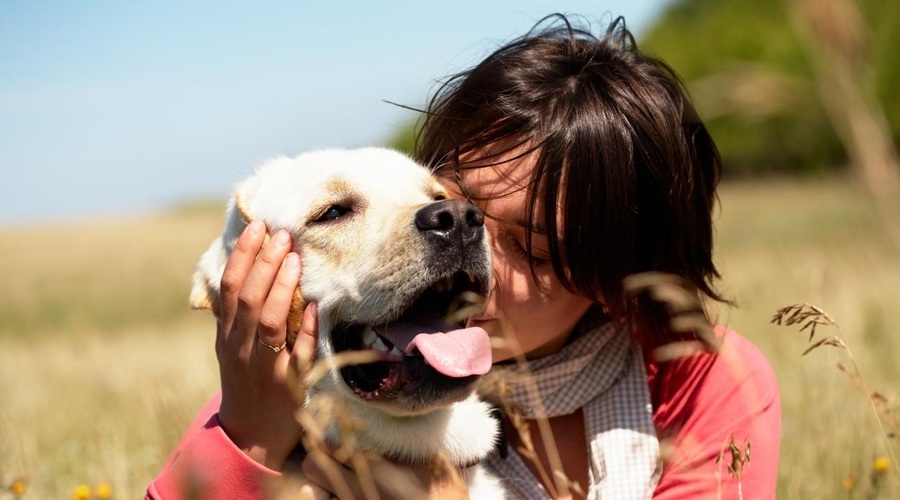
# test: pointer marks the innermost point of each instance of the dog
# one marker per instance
(385, 254)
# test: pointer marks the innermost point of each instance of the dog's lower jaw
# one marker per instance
(464, 433)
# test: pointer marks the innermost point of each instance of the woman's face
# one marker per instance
(522, 317)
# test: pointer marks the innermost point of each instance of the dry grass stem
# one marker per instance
(365, 476)
(685, 309)
(338, 361)
(463, 306)
(676, 350)
(557, 486)
(808, 317)
(668, 289)
(324, 414)
(740, 457)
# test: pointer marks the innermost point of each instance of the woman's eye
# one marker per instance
(522, 252)
(334, 212)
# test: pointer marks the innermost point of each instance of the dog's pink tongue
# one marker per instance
(454, 352)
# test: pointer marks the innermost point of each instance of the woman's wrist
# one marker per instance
(270, 455)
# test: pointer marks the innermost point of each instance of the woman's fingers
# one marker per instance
(272, 329)
(236, 269)
(309, 491)
(257, 285)
(323, 470)
(305, 345)
(258, 410)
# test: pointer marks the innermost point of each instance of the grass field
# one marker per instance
(102, 365)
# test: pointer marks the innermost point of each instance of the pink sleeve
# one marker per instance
(206, 464)
(704, 402)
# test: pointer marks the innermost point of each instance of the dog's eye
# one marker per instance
(334, 212)
(438, 197)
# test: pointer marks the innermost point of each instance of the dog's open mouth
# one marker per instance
(425, 343)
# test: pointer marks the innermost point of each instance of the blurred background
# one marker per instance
(123, 126)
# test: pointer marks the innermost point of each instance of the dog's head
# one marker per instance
(387, 257)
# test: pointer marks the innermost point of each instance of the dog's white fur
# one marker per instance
(358, 268)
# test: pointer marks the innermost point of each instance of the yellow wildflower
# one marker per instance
(103, 491)
(18, 487)
(81, 492)
(849, 482)
(881, 464)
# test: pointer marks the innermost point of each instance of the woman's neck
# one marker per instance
(566, 445)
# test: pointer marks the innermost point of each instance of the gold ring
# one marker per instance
(275, 348)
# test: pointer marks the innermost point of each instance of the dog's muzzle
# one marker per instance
(427, 353)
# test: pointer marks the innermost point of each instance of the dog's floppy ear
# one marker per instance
(205, 290)
(206, 281)
(202, 296)
(298, 303)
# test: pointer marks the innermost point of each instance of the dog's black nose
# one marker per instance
(449, 221)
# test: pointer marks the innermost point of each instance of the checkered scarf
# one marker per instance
(602, 372)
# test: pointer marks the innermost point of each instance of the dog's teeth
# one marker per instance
(379, 344)
(396, 352)
(369, 337)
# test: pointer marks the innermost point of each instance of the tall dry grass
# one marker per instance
(102, 275)
(102, 366)
(95, 407)
(823, 243)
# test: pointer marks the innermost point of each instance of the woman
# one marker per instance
(591, 165)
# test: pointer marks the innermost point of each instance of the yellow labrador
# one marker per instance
(385, 255)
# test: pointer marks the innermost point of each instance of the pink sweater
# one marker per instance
(701, 404)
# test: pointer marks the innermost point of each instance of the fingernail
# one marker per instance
(292, 261)
(282, 238)
(255, 227)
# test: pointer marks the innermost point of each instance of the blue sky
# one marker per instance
(110, 107)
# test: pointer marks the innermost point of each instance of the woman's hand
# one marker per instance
(258, 409)
(361, 477)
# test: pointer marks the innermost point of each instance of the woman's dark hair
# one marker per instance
(624, 167)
